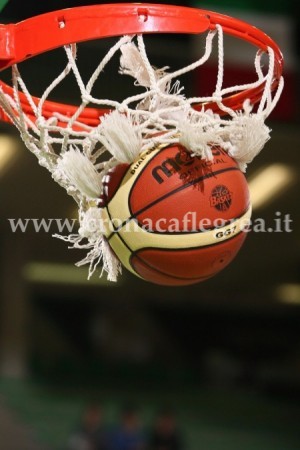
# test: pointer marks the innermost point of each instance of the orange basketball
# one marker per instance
(174, 219)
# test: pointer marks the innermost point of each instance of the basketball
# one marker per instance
(174, 219)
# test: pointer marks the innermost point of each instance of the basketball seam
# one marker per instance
(160, 272)
(120, 182)
(179, 233)
(174, 191)
(146, 263)
(173, 250)
(126, 172)
(169, 194)
(188, 248)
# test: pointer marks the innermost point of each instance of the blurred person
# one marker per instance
(128, 435)
(165, 434)
(90, 433)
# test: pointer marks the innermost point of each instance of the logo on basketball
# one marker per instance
(221, 198)
(183, 160)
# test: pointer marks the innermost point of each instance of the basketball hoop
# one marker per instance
(70, 141)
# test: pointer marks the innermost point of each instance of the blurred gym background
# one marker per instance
(224, 354)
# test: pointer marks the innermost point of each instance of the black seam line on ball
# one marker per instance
(134, 254)
(199, 247)
(150, 266)
(151, 159)
(169, 194)
(115, 229)
(228, 222)
(160, 272)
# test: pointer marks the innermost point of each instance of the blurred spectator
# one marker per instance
(165, 434)
(90, 434)
(128, 435)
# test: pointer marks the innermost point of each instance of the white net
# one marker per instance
(79, 156)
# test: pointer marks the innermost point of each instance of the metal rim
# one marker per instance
(45, 32)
